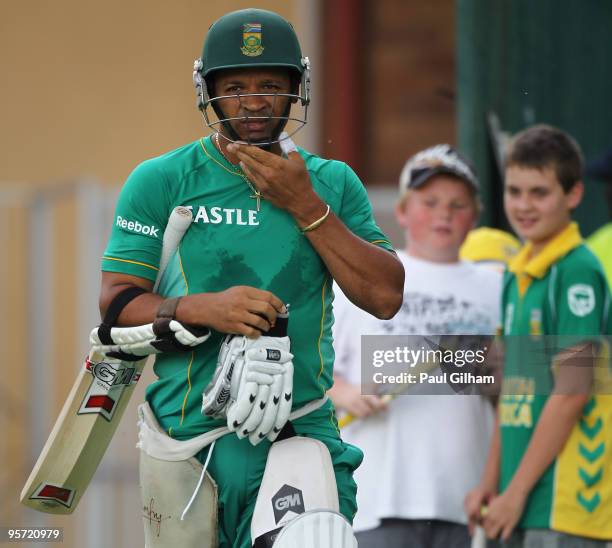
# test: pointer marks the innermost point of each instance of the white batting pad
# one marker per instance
(317, 529)
(299, 477)
(166, 487)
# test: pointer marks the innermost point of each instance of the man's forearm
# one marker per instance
(560, 414)
(241, 310)
(370, 276)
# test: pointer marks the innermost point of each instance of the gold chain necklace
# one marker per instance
(238, 173)
(218, 145)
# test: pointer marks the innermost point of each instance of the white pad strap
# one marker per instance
(202, 475)
(156, 443)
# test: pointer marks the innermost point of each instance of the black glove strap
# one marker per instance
(280, 327)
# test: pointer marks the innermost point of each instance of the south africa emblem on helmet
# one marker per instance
(251, 39)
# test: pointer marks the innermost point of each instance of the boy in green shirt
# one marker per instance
(548, 469)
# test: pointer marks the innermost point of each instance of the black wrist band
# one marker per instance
(167, 309)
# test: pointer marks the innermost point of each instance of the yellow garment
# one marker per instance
(489, 245)
(600, 243)
(525, 267)
(582, 474)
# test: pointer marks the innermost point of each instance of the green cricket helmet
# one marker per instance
(245, 39)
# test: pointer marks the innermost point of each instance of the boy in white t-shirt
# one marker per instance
(422, 452)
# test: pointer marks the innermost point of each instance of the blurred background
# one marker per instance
(90, 89)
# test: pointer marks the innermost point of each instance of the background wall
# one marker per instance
(534, 62)
(90, 89)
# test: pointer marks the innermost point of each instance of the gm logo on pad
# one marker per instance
(287, 499)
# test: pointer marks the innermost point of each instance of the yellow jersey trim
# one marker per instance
(333, 420)
(188, 389)
(525, 267)
(332, 412)
(321, 333)
(130, 262)
(183, 272)
(193, 352)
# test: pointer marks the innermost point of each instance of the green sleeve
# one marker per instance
(356, 211)
(581, 297)
(140, 218)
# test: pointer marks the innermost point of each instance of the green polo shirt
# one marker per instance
(560, 291)
(232, 243)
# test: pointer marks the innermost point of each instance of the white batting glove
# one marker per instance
(264, 396)
(143, 340)
(253, 385)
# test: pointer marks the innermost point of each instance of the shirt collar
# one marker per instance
(558, 247)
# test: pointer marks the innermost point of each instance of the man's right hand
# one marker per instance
(240, 310)
(348, 397)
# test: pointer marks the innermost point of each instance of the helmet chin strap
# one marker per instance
(233, 135)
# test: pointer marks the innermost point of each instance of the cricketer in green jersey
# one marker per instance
(270, 230)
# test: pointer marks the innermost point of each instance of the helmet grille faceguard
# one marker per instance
(204, 100)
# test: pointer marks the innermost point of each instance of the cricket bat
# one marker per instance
(479, 539)
(91, 413)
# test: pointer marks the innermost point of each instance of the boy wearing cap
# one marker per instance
(547, 473)
(422, 452)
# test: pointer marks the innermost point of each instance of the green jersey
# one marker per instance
(600, 243)
(560, 291)
(232, 242)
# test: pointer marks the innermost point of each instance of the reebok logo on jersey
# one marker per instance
(135, 226)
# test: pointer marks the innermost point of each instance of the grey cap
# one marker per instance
(439, 159)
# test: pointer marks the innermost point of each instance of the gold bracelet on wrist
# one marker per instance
(318, 222)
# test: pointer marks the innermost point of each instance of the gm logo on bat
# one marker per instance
(109, 375)
(107, 386)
